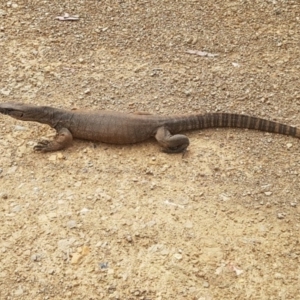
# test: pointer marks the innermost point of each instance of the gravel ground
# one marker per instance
(100, 221)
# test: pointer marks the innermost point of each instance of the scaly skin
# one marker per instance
(125, 128)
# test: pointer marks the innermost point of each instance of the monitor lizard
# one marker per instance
(129, 128)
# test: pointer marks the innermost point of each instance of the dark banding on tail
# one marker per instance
(218, 120)
(214, 120)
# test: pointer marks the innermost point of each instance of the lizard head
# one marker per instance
(24, 112)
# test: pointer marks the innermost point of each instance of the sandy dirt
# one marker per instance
(99, 221)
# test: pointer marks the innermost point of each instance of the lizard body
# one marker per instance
(125, 128)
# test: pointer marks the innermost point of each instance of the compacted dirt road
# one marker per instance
(100, 221)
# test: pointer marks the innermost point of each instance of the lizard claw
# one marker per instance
(41, 146)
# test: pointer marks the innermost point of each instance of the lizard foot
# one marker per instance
(42, 146)
(177, 143)
(178, 149)
(62, 140)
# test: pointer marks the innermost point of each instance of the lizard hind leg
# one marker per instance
(62, 140)
(171, 143)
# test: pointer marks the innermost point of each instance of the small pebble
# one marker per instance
(12, 170)
(268, 193)
(84, 211)
(85, 250)
(19, 291)
(52, 157)
(280, 216)
(4, 196)
(178, 256)
(16, 209)
(188, 224)
(76, 258)
(35, 257)
(278, 276)
(110, 271)
(72, 224)
(129, 238)
(20, 128)
(103, 265)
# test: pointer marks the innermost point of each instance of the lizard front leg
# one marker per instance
(171, 143)
(62, 140)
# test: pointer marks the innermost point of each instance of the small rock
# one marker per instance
(26, 252)
(52, 157)
(289, 145)
(220, 269)
(206, 284)
(2, 12)
(65, 244)
(224, 197)
(188, 224)
(20, 128)
(5, 92)
(60, 156)
(12, 170)
(103, 265)
(278, 276)
(236, 65)
(165, 252)
(268, 193)
(129, 238)
(76, 258)
(178, 256)
(78, 184)
(47, 69)
(238, 271)
(72, 224)
(280, 216)
(35, 257)
(84, 211)
(110, 271)
(151, 223)
(4, 196)
(85, 250)
(19, 291)
(99, 244)
(16, 209)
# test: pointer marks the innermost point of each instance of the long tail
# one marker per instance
(214, 120)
